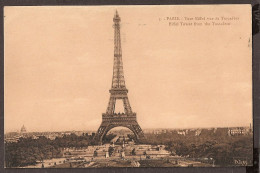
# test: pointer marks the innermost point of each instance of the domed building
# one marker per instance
(23, 129)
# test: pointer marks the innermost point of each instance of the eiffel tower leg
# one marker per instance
(111, 105)
(137, 131)
(101, 130)
(127, 107)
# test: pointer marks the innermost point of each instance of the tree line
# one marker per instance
(29, 151)
(223, 149)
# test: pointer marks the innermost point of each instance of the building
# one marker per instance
(23, 129)
(197, 132)
(237, 131)
(181, 132)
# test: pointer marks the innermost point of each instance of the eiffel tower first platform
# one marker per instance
(118, 91)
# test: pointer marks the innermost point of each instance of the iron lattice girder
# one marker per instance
(118, 80)
(118, 93)
(118, 118)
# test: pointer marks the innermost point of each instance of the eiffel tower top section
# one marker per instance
(118, 81)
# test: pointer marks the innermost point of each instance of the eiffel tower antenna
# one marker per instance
(118, 91)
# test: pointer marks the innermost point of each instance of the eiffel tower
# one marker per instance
(118, 91)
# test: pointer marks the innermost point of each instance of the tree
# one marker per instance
(110, 151)
(95, 153)
(133, 152)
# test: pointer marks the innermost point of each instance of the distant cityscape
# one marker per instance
(230, 131)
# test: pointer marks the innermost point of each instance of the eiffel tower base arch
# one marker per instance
(109, 123)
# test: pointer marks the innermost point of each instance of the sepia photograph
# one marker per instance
(128, 86)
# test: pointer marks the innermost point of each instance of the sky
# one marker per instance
(59, 62)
